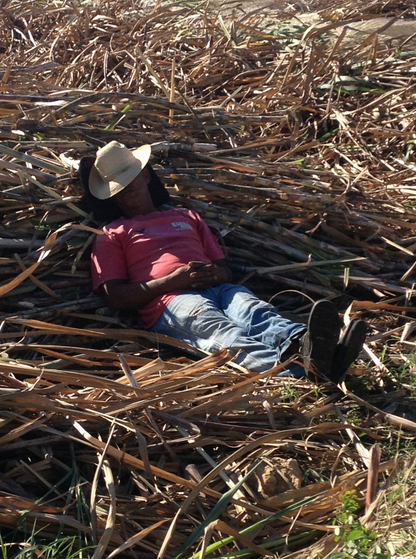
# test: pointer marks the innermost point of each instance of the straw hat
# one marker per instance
(115, 167)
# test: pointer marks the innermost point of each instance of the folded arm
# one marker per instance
(122, 294)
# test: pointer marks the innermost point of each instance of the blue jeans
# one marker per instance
(231, 316)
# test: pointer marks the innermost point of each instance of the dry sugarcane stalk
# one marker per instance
(297, 145)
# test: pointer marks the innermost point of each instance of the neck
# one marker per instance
(131, 212)
(140, 206)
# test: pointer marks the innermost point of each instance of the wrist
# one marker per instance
(223, 273)
(174, 282)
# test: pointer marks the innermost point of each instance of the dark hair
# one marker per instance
(107, 210)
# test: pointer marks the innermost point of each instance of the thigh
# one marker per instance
(259, 319)
(196, 318)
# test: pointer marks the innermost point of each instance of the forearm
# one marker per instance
(195, 275)
(135, 295)
(124, 295)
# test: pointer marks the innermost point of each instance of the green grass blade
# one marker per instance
(215, 512)
(117, 119)
(276, 546)
(257, 525)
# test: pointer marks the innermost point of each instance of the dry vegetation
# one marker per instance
(298, 147)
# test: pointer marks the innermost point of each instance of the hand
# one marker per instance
(182, 278)
(208, 276)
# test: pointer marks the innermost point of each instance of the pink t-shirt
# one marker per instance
(149, 247)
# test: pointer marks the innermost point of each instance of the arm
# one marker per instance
(122, 294)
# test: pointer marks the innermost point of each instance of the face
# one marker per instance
(135, 199)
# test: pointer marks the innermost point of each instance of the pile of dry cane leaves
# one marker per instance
(298, 147)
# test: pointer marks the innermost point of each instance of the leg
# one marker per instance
(259, 319)
(196, 318)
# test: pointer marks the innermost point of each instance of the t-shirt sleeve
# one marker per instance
(212, 249)
(107, 260)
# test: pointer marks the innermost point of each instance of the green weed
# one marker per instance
(64, 547)
(358, 541)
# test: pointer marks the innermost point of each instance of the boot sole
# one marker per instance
(323, 331)
(348, 349)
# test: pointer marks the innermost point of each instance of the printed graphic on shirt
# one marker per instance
(181, 225)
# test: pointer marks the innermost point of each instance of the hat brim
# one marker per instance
(104, 189)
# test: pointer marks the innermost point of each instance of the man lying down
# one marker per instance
(168, 265)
